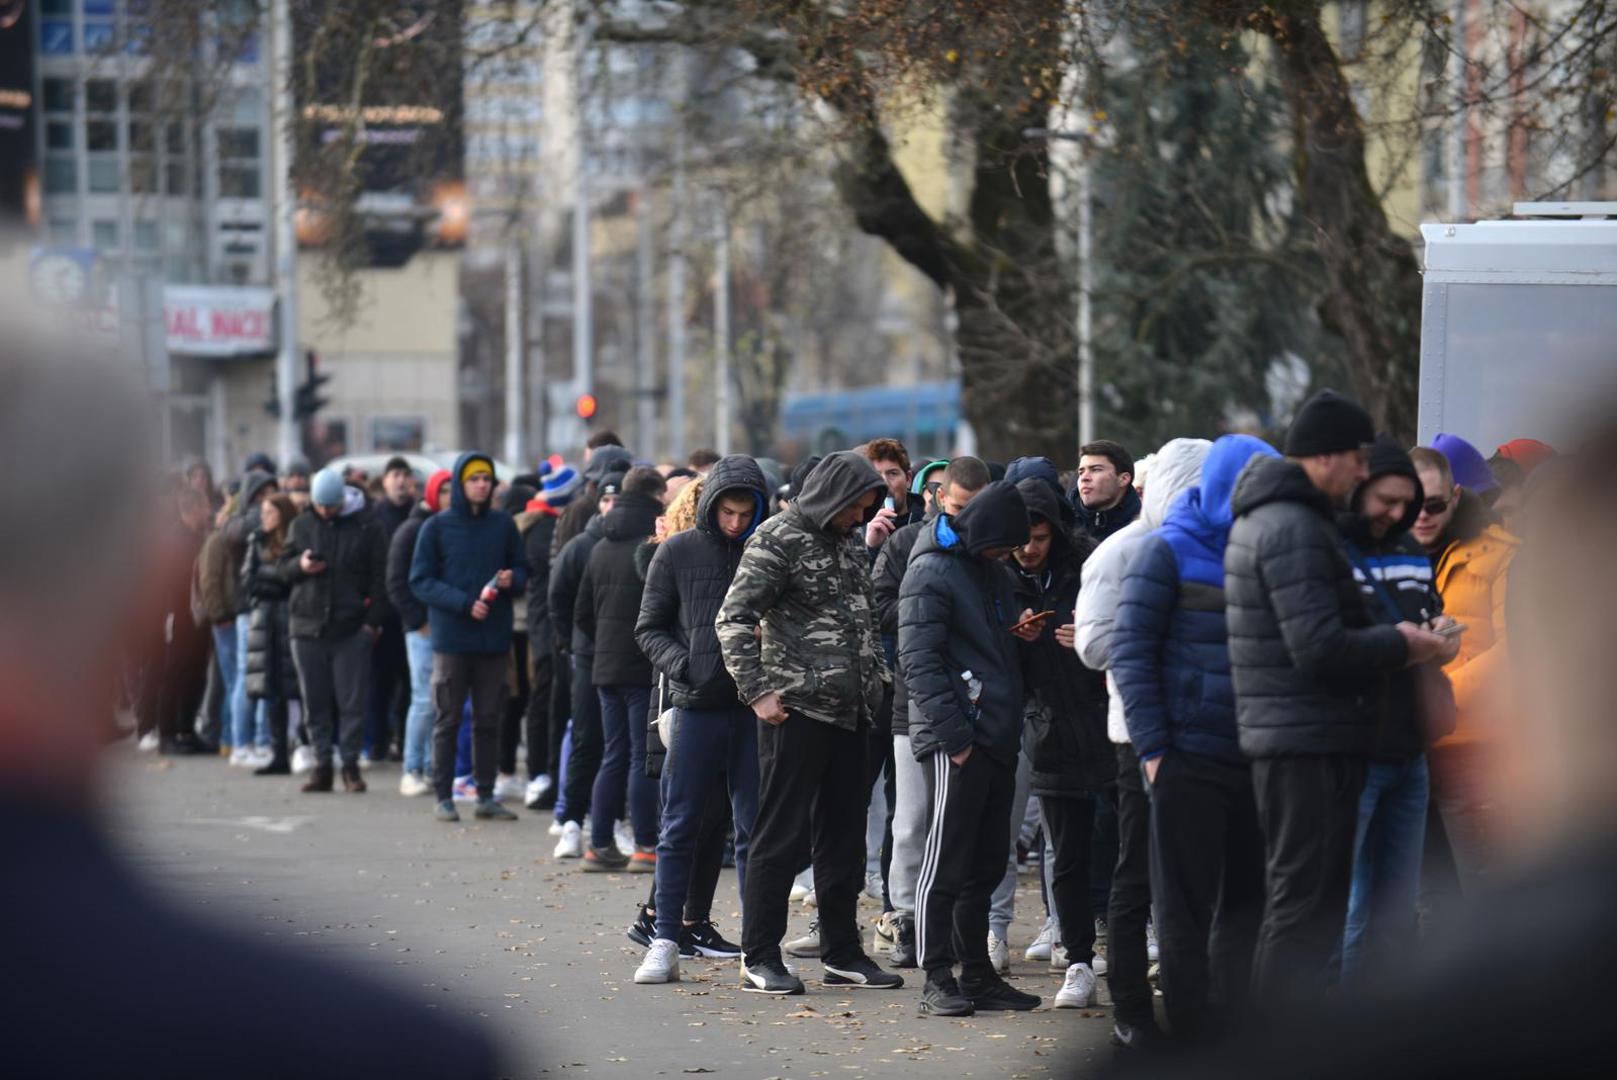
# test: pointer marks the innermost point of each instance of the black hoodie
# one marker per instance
(689, 575)
(955, 611)
(609, 593)
(1307, 657)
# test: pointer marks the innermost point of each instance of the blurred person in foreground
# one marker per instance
(72, 599)
(1448, 1013)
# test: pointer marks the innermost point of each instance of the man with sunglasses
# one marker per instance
(1308, 662)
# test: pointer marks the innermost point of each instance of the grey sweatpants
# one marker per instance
(912, 816)
(335, 677)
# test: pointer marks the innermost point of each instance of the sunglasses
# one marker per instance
(1434, 507)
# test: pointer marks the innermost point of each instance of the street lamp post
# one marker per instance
(1086, 278)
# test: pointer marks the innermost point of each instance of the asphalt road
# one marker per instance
(478, 920)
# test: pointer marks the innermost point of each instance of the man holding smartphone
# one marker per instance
(335, 561)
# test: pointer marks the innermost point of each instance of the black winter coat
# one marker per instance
(270, 671)
(1066, 719)
(888, 577)
(400, 553)
(1307, 657)
(352, 590)
(538, 529)
(609, 594)
(690, 574)
(1099, 524)
(566, 572)
(955, 611)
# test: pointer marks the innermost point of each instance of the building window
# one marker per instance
(56, 37)
(239, 169)
(100, 135)
(238, 182)
(100, 96)
(176, 180)
(63, 232)
(104, 234)
(238, 142)
(58, 95)
(142, 175)
(147, 237)
(104, 176)
(61, 176)
(58, 135)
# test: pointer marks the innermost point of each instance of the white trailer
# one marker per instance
(1519, 324)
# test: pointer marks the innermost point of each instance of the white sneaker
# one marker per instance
(302, 760)
(1100, 966)
(1151, 951)
(811, 900)
(262, 757)
(537, 789)
(412, 784)
(661, 964)
(148, 742)
(507, 786)
(555, 827)
(571, 844)
(1058, 956)
(364, 759)
(624, 836)
(999, 953)
(1078, 990)
(242, 758)
(1040, 949)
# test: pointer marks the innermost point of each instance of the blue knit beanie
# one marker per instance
(327, 487)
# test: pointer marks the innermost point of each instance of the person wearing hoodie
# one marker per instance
(607, 608)
(546, 722)
(1071, 761)
(417, 638)
(960, 662)
(1396, 578)
(798, 633)
(566, 572)
(468, 561)
(1170, 659)
(1175, 468)
(715, 740)
(1104, 496)
(335, 562)
(1309, 661)
(960, 482)
(1471, 557)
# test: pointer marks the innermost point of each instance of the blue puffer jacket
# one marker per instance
(456, 554)
(1170, 657)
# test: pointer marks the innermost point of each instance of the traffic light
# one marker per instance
(307, 400)
(585, 406)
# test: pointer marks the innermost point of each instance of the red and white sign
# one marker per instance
(219, 321)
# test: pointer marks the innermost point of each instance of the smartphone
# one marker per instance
(1032, 620)
(889, 504)
(1451, 630)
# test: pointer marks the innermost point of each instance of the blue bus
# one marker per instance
(924, 416)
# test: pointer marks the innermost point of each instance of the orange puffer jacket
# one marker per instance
(1472, 576)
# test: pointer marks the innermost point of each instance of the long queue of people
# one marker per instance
(1232, 696)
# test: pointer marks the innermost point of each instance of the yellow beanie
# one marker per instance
(475, 467)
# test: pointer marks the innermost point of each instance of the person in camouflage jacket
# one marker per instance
(798, 633)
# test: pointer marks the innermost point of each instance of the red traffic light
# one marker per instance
(585, 406)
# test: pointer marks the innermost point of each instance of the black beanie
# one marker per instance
(1329, 423)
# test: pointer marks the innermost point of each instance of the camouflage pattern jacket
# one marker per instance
(800, 616)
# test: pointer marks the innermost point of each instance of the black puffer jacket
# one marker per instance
(270, 671)
(1307, 657)
(538, 529)
(566, 572)
(888, 576)
(609, 594)
(686, 583)
(400, 554)
(352, 590)
(1066, 736)
(955, 611)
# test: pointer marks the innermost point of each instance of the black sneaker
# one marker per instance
(1142, 1037)
(862, 971)
(903, 955)
(943, 998)
(769, 977)
(997, 995)
(643, 929)
(705, 940)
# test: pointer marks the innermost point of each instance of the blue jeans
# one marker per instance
(249, 716)
(623, 767)
(1387, 853)
(224, 654)
(418, 722)
(710, 747)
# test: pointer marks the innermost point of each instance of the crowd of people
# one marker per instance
(1232, 698)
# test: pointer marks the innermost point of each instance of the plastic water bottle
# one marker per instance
(974, 690)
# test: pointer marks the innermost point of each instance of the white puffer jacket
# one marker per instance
(1177, 466)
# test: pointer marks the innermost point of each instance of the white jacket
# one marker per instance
(1177, 466)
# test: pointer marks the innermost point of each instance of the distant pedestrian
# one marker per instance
(413, 620)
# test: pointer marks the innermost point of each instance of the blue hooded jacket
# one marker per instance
(456, 554)
(1170, 658)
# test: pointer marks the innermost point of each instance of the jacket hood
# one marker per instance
(1042, 469)
(1466, 462)
(251, 485)
(517, 497)
(633, 517)
(353, 501)
(1220, 470)
(837, 481)
(605, 460)
(1277, 479)
(736, 473)
(1388, 458)
(1176, 467)
(996, 517)
(458, 503)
